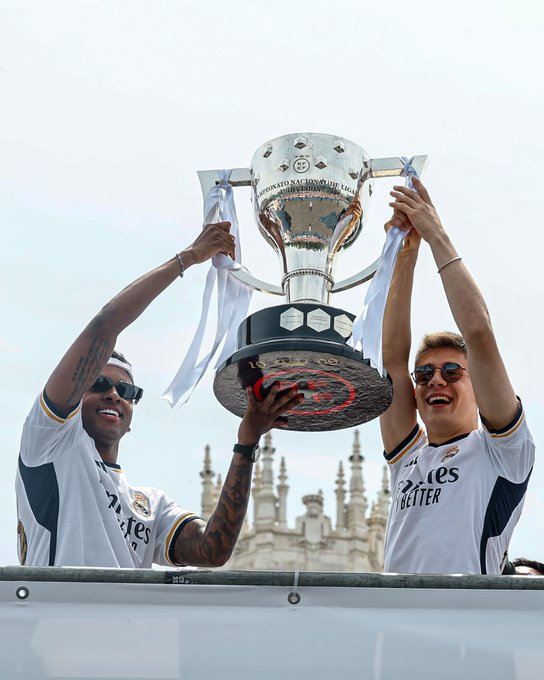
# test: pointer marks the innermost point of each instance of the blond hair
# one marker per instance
(439, 340)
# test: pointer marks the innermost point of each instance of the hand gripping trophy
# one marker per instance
(310, 193)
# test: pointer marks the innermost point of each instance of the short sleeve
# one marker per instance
(511, 450)
(405, 450)
(46, 435)
(171, 522)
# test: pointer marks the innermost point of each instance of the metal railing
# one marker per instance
(269, 578)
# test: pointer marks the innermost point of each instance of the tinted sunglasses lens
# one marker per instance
(127, 390)
(452, 372)
(102, 384)
(123, 390)
(422, 375)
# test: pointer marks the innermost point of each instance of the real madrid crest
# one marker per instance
(450, 453)
(141, 504)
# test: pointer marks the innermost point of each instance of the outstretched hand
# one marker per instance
(412, 240)
(213, 239)
(261, 416)
(417, 209)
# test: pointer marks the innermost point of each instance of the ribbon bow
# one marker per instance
(408, 170)
(367, 327)
(233, 298)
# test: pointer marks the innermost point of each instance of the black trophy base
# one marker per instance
(340, 388)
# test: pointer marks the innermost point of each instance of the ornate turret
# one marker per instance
(313, 525)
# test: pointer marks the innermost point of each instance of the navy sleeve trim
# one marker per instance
(52, 409)
(174, 538)
(405, 443)
(510, 426)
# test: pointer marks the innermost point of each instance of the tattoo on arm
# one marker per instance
(213, 545)
(88, 366)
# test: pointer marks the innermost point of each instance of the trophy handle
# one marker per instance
(245, 277)
(356, 279)
(390, 167)
(378, 167)
(239, 177)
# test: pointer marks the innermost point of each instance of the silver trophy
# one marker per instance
(310, 193)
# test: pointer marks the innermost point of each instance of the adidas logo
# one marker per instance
(412, 462)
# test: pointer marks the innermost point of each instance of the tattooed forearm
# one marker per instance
(214, 545)
(88, 367)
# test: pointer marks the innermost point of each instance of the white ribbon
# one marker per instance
(233, 298)
(367, 327)
(409, 171)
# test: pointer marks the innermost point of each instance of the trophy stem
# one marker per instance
(307, 285)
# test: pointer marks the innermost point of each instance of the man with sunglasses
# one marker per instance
(75, 506)
(458, 487)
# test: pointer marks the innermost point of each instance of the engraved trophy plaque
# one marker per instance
(310, 193)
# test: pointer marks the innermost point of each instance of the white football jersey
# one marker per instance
(75, 510)
(454, 506)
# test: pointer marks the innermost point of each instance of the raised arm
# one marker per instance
(494, 393)
(86, 357)
(400, 418)
(211, 544)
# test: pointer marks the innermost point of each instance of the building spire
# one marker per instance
(268, 457)
(384, 497)
(217, 489)
(265, 499)
(256, 490)
(377, 523)
(208, 494)
(282, 490)
(357, 505)
(340, 498)
(356, 445)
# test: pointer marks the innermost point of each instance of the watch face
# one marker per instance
(256, 454)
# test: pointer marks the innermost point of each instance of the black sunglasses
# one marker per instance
(125, 390)
(450, 372)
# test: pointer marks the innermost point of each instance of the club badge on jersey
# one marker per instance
(140, 504)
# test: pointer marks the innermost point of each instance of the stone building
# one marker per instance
(353, 542)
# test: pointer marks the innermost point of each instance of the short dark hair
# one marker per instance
(439, 340)
(532, 564)
(120, 357)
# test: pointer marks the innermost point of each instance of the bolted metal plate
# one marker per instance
(340, 388)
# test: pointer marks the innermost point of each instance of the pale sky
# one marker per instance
(108, 109)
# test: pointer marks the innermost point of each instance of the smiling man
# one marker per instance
(458, 487)
(75, 506)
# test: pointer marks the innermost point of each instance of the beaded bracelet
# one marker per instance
(180, 264)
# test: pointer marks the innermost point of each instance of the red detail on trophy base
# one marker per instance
(317, 386)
